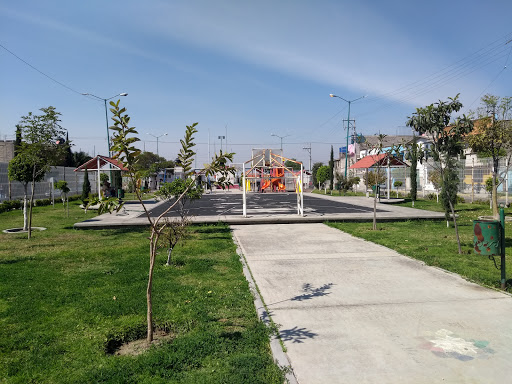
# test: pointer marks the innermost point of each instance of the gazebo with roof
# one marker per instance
(101, 163)
(380, 160)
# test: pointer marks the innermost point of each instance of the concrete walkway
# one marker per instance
(351, 311)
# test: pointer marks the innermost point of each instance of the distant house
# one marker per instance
(357, 151)
(6, 151)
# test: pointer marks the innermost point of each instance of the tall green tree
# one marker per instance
(86, 187)
(314, 171)
(68, 160)
(17, 142)
(331, 169)
(447, 138)
(39, 148)
(492, 137)
(21, 169)
(322, 175)
(292, 164)
(80, 158)
(414, 155)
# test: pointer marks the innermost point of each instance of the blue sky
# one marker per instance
(253, 68)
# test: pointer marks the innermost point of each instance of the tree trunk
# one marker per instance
(495, 195)
(30, 206)
(169, 253)
(25, 207)
(375, 210)
(152, 256)
(456, 228)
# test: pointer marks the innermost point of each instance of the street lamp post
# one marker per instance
(106, 113)
(348, 124)
(157, 137)
(221, 138)
(281, 137)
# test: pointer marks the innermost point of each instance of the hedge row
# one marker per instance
(9, 205)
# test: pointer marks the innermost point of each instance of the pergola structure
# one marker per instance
(377, 161)
(101, 163)
(266, 171)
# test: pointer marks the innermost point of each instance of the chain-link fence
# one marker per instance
(473, 174)
(43, 190)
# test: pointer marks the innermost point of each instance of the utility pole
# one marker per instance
(348, 119)
(309, 150)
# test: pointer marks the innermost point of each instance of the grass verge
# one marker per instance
(68, 298)
(435, 244)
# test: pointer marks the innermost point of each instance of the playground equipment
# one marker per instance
(267, 173)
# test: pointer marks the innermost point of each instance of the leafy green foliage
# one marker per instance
(375, 178)
(314, 171)
(38, 151)
(447, 143)
(149, 163)
(62, 186)
(415, 154)
(124, 138)
(21, 169)
(124, 150)
(86, 186)
(493, 136)
(80, 158)
(435, 178)
(187, 189)
(322, 174)
(488, 184)
(449, 187)
(186, 155)
(292, 164)
(104, 179)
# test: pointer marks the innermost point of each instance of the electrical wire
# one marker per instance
(41, 72)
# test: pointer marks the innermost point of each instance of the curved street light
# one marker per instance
(281, 137)
(348, 126)
(106, 114)
(157, 137)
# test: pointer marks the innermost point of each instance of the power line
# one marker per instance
(41, 72)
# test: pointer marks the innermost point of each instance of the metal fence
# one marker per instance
(43, 190)
(473, 174)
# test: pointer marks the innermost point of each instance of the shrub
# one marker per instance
(9, 205)
(431, 196)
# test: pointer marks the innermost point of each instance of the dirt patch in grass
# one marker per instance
(136, 347)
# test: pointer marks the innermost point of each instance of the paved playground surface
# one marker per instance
(226, 206)
(260, 204)
(350, 311)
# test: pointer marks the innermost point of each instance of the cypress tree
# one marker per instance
(86, 186)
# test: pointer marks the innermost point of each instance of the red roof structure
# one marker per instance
(378, 160)
(102, 162)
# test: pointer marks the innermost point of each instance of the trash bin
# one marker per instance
(487, 237)
(120, 193)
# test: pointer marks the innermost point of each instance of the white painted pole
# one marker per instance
(506, 184)
(244, 181)
(99, 186)
(301, 191)
(389, 180)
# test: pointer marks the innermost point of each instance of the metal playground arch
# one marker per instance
(267, 172)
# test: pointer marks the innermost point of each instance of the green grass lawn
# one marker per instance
(435, 244)
(68, 297)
